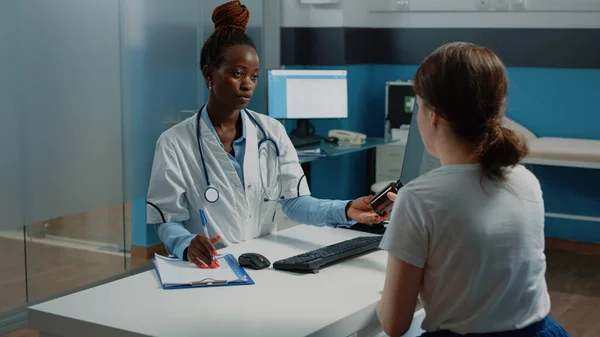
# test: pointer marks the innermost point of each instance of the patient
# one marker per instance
(468, 237)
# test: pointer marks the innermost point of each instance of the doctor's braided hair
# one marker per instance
(230, 20)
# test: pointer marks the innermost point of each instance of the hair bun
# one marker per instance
(232, 15)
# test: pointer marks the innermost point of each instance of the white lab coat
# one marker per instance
(177, 181)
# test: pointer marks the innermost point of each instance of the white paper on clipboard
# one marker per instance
(178, 272)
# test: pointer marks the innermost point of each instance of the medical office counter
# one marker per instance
(340, 300)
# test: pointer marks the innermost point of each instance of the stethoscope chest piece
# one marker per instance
(211, 194)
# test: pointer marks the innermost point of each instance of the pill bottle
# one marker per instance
(381, 203)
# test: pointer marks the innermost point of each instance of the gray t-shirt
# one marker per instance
(481, 244)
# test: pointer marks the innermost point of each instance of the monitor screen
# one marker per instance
(417, 161)
(307, 94)
(400, 98)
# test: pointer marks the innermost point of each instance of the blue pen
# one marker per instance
(204, 223)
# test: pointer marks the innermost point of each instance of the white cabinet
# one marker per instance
(388, 162)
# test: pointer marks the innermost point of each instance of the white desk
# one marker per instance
(338, 301)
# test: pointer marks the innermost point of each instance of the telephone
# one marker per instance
(355, 138)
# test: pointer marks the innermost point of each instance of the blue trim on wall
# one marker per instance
(569, 190)
(556, 102)
(576, 230)
(142, 234)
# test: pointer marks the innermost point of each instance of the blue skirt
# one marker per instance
(544, 328)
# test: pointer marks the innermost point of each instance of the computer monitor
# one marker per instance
(304, 94)
(417, 161)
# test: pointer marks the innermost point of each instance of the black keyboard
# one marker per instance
(315, 259)
(300, 142)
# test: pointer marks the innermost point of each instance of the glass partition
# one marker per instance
(86, 88)
(62, 180)
(12, 245)
(70, 252)
(13, 279)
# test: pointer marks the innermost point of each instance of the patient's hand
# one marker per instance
(392, 196)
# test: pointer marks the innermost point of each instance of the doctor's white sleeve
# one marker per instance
(167, 188)
(292, 176)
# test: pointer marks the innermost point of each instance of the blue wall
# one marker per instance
(343, 177)
(549, 101)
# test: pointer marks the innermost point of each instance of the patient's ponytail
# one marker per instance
(498, 148)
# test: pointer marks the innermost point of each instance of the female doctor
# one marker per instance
(218, 176)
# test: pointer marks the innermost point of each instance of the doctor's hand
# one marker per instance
(201, 251)
(392, 196)
(360, 210)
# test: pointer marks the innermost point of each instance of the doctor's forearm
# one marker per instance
(316, 212)
(175, 237)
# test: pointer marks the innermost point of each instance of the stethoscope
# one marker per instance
(211, 194)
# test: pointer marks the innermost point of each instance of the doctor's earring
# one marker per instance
(209, 85)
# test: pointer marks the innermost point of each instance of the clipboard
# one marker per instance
(190, 276)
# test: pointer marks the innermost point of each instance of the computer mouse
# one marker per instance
(253, 261)
(331, 140)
